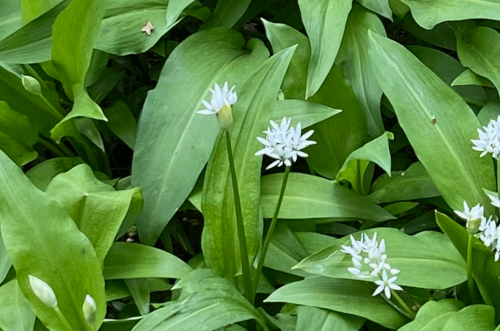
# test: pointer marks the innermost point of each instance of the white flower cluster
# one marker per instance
(489, 139)
(370, 261)
(220, 97)
(488, 231)
(284, 143)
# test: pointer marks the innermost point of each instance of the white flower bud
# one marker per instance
(89, 309)
(225, 117)
(43, 291)
(31, 85)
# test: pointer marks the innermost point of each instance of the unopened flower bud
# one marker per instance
(43, 291)
(225, 117)
(89, 309)
(31, 85)
(473, 226)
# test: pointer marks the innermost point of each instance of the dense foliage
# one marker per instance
(369, 202)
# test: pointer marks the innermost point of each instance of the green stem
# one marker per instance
(270, 232)
(245, 264)
(470, 279)
(50, 147)
(403, 304)
(65, 149)
(61, 316)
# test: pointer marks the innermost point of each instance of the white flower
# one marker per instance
(386, 284)
(43, 291)
(494, 200)
(472, 214)
(220, 97)
(489, 139)
(284, 143)
(89, 309)
(488, 232)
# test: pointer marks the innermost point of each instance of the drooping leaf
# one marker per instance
(489, 112)
(305, 112)
(33, 9)
(341, 295)
(314, 197)
(312, 318)
(417, 257)
(468, 77)
(380, 7)
(325, 33)
(122, 122)
(174, 9)
(251, 116)
(434, 315)
(437, 122)
(476, 317)
(15, 310)
(42, 174)
(227, 13)
(173, 141)
(139, 289)
(22, 206)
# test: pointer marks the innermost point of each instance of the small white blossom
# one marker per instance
(89, 309)
(489, 139)
(494, 200)
(43, 291)
(386, 284)
(220, 97)
(284, 143)
(475, 213)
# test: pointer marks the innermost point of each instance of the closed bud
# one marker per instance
(473, 226)
(89, 309)
(43, 291)
(31, 85)
(225, 117)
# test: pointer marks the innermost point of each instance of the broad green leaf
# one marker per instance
(282, 321)
(354, 168)
(380, 7)
(139, 289)
(437, 122)
(15, 311)
(74, 268)
(251, 116)
(479, 49)
(472, 318)
(97, 209)
(282, 36)
(17, 135)
(126, 324)
(341, 295)
(338, 136)
(413, 183)
(122, 122)
(10, 17)
(417, 257)
(117, 289)
(305, 112)
(74, 34)
(97, 67)
(316, 319)
(173, 141)
(468, 77)
(325, 33)
(489, 112)
(430, 13)
(175, 8)
(433, 315)
(126, 261)
(448, 68)
(42, 174)
(354, 59)
(5, 262)
(485, 270)
(400, 207)
(33, 9)
(227, 13)
(308, 196)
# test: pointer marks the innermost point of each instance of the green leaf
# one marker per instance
(341, 295)
(411, 184)
(5, 262)
(417, 257)
(430, 13)
(126, 324)
(468, 77)
(33, 9)
(354, 59)
(74, 34)
(307, 113)
(312, 319)
(339, 136)
(282, 36)
(139, 289)
(173, 142)
(175, 8)
(485, 270)
(325, 33)
(442, 35)
(17, 135)
(437, 122)
(433, 315)
(472, 318)
(10, 18)
(22, 206)
(478, 49)
(380, 7)
(122, 122)
(42, 174)
(489, 112)
(86, 127)
(227, 13)
(308, 196)
(97, 209)
(251, 117)
(127, 261)
(15, 311)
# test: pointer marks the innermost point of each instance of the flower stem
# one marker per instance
(245, 264)
(50, 147)
(470, 279)
(403, 304)
(269, 235)
(61, 316)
